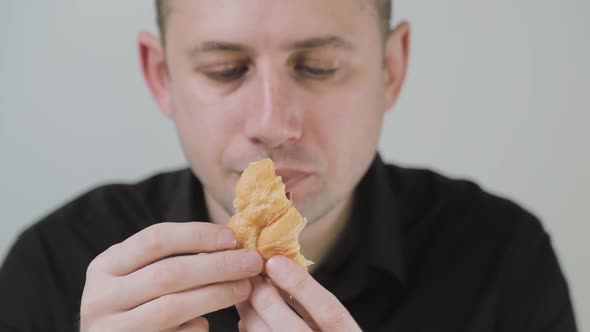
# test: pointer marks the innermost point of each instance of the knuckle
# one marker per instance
(92, 268)
(100, 263)
(201, 233)
(90, 305)
(86, 307)
(222, 263)
(97, 299)
(152, 238)
(95, 266)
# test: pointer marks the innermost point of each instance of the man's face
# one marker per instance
(299, 81)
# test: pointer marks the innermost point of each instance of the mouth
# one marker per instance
(291, 177)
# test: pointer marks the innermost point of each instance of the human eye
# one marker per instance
(317, 71)
(227, 73)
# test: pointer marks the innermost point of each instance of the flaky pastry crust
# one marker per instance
(265, 219)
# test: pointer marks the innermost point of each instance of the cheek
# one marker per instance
(205, 122)
(347, 128)
(349, 123)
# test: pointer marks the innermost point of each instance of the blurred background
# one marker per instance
(497, 92)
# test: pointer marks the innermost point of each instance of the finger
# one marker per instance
(200, 324)
(271, 308)
(175, 309)
(298, 308)
(325, 309)
(176, 274)
(249, 319)
(163, 240)
(241, 326)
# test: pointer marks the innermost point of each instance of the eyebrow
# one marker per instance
(218, 46)
(320, 42)
(305, 44)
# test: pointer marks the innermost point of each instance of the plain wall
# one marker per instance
(497, 92)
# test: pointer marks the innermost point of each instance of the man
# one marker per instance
(306, 83)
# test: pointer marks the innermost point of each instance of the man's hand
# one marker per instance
(137, 286)
(267, 310)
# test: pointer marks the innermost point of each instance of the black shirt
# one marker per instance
(421, 252)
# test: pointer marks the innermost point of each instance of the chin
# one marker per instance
(315, 205)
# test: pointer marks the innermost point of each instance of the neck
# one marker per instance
(316, 239)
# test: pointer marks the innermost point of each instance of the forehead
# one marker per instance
(268, 21)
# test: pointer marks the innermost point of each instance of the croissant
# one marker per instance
(265, 218)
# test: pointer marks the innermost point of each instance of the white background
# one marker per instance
(498, 92)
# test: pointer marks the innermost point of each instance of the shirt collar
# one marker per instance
(376, 194)
(186, 199)
(376, 204)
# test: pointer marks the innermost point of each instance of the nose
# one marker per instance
(275, 118)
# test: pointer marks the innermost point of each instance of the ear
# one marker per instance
(155, 72)
(397, 51)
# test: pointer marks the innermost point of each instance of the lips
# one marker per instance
(292, 177)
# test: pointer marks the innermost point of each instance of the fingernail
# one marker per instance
(227, 239)
(251, 260)
(277, 267)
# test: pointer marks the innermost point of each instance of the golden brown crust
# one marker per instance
(265, 218)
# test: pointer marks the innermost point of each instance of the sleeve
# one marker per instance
(535, 294)
(28, 294)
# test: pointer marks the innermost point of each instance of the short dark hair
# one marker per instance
(383, 9)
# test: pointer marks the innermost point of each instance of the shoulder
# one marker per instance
(122, 199)
(459, 209)
(49, 259)
(108, 213)
(482, 250)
